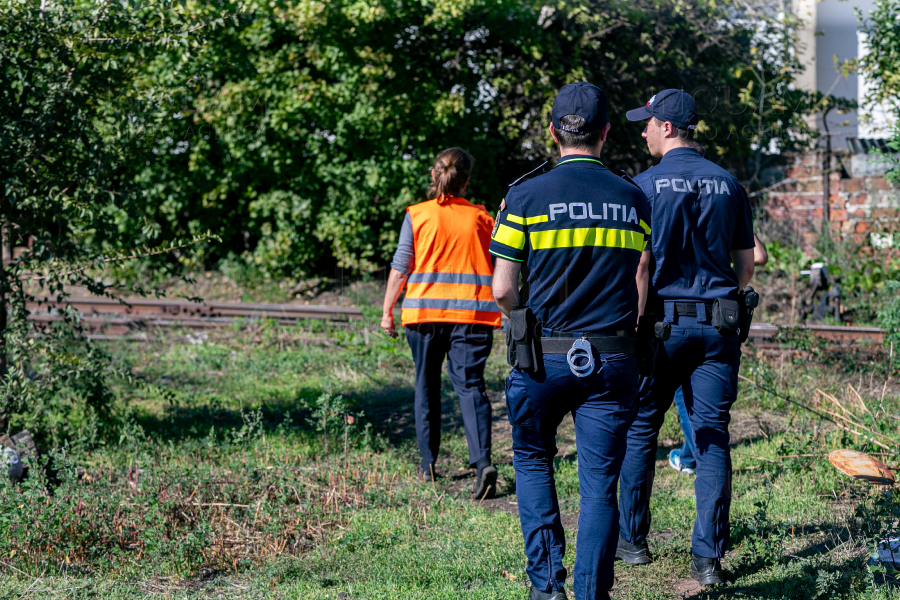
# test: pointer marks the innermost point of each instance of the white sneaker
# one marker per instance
(675, 463)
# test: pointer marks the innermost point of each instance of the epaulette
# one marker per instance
(529, 174)
(628, 178)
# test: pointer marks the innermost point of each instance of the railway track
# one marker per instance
(140, 318)
(765, 334)
(105, 318)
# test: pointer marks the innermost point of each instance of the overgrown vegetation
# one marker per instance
(279, 462)
(72, 114)
(131, 128)
(224, 485)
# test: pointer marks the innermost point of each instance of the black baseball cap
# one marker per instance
(582, 99)
(674, 106)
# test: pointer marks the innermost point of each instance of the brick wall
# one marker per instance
(857, 205)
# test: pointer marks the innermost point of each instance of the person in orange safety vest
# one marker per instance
(442, 259)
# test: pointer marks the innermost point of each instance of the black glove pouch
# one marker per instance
(646, 355)
(726, 316)
(651, 333)
(521, 345)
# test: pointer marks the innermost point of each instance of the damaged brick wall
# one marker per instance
(858, 206)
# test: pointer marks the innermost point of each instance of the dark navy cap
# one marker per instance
(582, 99)
(674, 106)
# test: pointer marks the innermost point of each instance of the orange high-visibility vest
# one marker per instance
(451, 280)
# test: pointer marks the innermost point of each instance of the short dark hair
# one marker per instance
(683, 132)
(567, 139)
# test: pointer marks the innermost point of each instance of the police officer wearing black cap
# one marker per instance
(702, 248)
(578, 234)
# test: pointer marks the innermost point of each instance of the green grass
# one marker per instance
(218, 484)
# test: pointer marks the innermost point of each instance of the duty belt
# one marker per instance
(579, 351)
(689, 309)
(603, 345)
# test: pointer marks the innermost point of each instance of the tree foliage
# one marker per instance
(305, 128)
(881, 65)
(70, 123)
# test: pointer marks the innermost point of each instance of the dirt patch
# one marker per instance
(460, 481)
(686, 588)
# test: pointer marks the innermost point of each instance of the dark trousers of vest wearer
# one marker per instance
(602, 406)
(467, 348)
(706, 364)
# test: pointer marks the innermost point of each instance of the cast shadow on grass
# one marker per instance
(807, 580)
(662, 450)
(766, 540)
(389, 410)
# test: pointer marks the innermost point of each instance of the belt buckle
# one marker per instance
(581, 349)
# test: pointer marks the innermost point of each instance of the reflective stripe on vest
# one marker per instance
(465, 278)
(452, 272)
(481, 305)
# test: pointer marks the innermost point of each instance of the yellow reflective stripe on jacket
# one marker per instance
(645, 227)
(509, 236)
(527, 220)
(588, 236)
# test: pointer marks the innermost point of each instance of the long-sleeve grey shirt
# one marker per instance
(405, 255)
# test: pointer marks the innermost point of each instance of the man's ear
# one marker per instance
(670, 129)
(553, 132)
(605, 131)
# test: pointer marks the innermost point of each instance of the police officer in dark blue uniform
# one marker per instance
(702, 248)
(578, 234)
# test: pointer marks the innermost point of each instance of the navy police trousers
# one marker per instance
(706, 363)
(466, 348)
(602, 405)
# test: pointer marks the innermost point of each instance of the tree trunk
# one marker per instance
(3, 309)
(826, 177)
(4, 284)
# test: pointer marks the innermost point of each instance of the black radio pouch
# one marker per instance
(726, 316)
(749, 301)
(746, 320)
(521, 345)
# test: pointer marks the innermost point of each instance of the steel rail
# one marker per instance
(846, 335)
(165, 308)
(108, 317)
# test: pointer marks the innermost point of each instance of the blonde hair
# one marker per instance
(451, 172)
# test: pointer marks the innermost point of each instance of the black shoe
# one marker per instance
(633, 554)
(485, 484)
(426, 473)
(537, 594)
(707, 571)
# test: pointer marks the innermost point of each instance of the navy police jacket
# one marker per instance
(579, 231)
(700, 214)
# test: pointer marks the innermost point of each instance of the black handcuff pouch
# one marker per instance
(726, 316)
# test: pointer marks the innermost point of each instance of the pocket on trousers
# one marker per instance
(518, 409)
(620, 371)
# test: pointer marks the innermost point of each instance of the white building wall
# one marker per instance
(836, 42)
